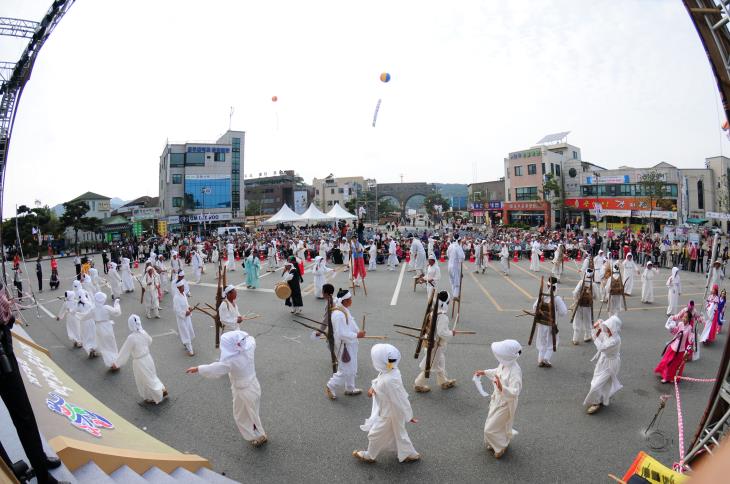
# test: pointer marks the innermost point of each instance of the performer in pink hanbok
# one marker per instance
(677, 351)
(712, 316)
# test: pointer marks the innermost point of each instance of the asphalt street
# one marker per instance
(311, 438)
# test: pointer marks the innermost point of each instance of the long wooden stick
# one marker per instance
(407, 327)
(411, 335)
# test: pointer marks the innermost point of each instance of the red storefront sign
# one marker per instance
(614, 203)
(526, 206)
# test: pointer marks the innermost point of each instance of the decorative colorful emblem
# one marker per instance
(80, 418)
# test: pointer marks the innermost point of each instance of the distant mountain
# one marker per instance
(448, 190)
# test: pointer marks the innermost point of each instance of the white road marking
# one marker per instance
(294, 339)
(168, 333)
(50, 314)
(394, 301)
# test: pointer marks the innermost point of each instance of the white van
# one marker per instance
(233, 230)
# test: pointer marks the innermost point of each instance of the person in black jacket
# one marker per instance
(39, 273)
(16, 400)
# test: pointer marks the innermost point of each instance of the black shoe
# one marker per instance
(53, 462)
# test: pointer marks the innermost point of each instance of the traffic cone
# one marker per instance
(516, 258)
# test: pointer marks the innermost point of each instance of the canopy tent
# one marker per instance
(696, 221)
(284, 215)
(314, 215)
(340, 213)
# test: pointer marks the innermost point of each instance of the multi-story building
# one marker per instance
(99, 207)
(720, 167)
(485, 199)
(266, 195)
(203, 181)
(526, 171)
(331, 190)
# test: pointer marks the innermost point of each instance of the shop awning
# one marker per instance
(698, 221)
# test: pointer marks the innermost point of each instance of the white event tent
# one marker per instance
(314, 215)
(284, 215)
(339, 213)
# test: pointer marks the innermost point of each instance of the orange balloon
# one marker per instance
(274, 98)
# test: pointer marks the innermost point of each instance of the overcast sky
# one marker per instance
(471, 81)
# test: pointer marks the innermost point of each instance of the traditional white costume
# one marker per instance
(504, 259)
(68, 311)
(544, 338)
(456, 256)
(498, 431)
(84, 306)
(392, 256)
(230, 259)
(647, 283)
(151, 294)
(433, 276)
(102, 315)
(583, 321)
(237, 361)
(630, 271)
(373, 255)
(418, 254)
(535, 256)
(228, 311)
(605, 376)
(320, 271)
(115, 280)
(184, 320)
(127, 282)
(137, 346)
(674, 290)
(438, 365)
(346, 344)
(391, 410)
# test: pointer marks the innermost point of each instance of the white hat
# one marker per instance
(235, 342)
(100, 297)
(135, 324)
(506, 351)
(228, 289)
(385, 356)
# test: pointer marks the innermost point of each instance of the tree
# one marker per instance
(28, 222)
(433, 200)
(654, 188)
(74, 217)
(253, 208)
(367, 199)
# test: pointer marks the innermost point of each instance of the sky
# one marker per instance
(470, 82)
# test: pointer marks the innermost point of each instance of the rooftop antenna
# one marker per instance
(230, 117)
(401, 177)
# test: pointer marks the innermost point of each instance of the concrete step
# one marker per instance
(90, 473)
(127, 476)
(184, 476)
(157, 476)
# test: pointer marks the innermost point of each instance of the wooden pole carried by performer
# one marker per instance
(544, 315)
(214, 312)
(456, 306)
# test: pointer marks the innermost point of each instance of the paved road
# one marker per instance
(311, 438)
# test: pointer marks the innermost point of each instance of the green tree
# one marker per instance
(434, 199)
(253, 208)
(654, 188)
(74, 216)
(367, 199)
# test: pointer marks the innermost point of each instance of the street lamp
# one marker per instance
(203, 191)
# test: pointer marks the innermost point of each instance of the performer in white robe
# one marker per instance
(323, 249)
(84, 307)
(504, 259)
(674, 290)
(392, 256)
(544, 338)
(429, 249)
(630, 271)
(127, 282)
(715, 274)
(175, 265)
(614, 291)
(535, 256)
(605, 376)
(443, 336)
(106, 343)
(197, 262)
(418, 254)
(228, 310)
(345, 249)
(583, 321)
(320, 271)
(181, 277)
(507, 380)
(373, 255)
(558, 263)
(215, 255)
(346, 335)
(137, 346)
(391, 409)
(433, 276)
(237, 361)
(598, 262)
(183, 316)
(647, 283)
(88, 284)
(95, 279)
(73, 326)
(456, 257)
(163, 272)
(230, 257)
(151, 283)
(115, 280)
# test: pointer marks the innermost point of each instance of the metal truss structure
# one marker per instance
(711, 18)
(15, 75)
